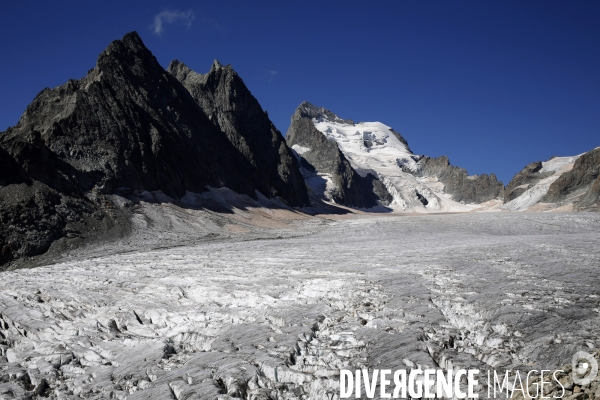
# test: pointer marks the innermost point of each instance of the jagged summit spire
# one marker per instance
(131, 40)
(309, 110)
(129, 53)
(176, 64)
(216, 65)
(180, 71)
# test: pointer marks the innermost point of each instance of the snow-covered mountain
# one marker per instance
(375, 149)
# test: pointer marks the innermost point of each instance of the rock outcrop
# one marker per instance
(127, 126)
(230, 106)
(525, 179)
(584, 178)
(321, 160)
(591, 199)
(569, 183)
(458, 183)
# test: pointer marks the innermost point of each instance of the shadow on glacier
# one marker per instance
(225, 200)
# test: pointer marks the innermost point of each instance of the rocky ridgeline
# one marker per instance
(583, 178)
(560, 181)
(231, 108)
(526, 178)
(130, 126)
(322, 155)
(458, 183)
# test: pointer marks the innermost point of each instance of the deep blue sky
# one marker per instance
(493, 85)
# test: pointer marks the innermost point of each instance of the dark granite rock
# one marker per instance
(230, 106)
(526, 178)
(130, 124)
(40, 200)
(582, 178)
(324, 156)
(458, 183)
(127, 126)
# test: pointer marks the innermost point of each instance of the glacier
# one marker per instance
(272, 304)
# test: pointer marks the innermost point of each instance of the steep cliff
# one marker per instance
(582, 178)
(569, 183)
(230, 106)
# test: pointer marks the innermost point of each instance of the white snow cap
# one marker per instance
(373, 147)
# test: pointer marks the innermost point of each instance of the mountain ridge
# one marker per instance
(230, 106)
(412, 181)
(128, 126)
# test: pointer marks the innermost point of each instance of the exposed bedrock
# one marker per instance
(458, 183)
(525, 179)
(319, 155)
(129, 126)
(230, 106)
(584, 177)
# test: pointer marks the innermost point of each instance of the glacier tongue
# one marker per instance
(278, 317)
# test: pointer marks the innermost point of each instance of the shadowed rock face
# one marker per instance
(325, 157)
(458, 183)
(525, 179)
(231, 108)
(583, 177)
(128, 125)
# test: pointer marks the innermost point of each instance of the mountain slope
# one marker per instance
(571, 182)
(415, 183)
(583, 177)
(230, 106)
(128, 126)
(458, 183)
(324, 166)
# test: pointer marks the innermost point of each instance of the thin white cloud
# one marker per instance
(271, 74)
(170, 16)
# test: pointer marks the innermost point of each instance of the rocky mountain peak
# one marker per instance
(226, 100)
(129, 50)
(177, 68)
(308, 110)
(129, 127)
(375, 148)
(216, 65)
